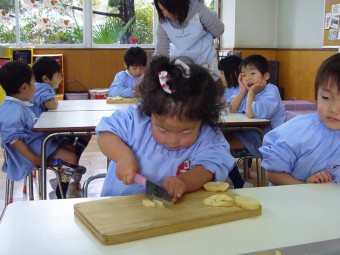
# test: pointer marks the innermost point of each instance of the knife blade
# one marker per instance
(154, 191)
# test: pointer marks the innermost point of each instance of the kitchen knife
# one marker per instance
(154, 191)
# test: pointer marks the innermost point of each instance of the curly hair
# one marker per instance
(193, 98)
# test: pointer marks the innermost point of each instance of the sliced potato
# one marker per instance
(148, 203)
(249, 203)
(219, 200)
(158, 203)
(216, 186)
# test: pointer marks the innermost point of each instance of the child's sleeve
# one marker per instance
(119, 86)
(267, 103)
(13, 128)
(43, 96)
(119, 123)
(213, 152)
(280, 149)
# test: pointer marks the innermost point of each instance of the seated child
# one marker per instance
(171, 137)
(257, 99)
(306, 149)
(228, 67)
(124, 84)
(47, 72)
(22, 145)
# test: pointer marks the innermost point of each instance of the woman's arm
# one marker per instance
(211, 22)
(162, 47)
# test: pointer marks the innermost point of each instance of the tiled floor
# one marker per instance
(92, 159)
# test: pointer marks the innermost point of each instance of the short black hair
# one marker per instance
(13, 75)
(258, 61)
(45, 66)
(230, 67)
(135, 56)
(328, 74)
(193, 98)
(179, 8)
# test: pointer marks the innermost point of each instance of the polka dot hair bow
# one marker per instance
(163, 78)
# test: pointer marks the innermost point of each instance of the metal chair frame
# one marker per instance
(89, 180)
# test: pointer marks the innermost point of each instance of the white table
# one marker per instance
(295, 214)
(88, 105)
(83, 122)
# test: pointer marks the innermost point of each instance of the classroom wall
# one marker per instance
(300, 23)
(273, 23)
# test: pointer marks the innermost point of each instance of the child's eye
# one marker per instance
(325, 97)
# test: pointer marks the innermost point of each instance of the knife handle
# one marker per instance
(139, 179)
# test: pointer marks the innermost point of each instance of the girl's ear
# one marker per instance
(266, 76)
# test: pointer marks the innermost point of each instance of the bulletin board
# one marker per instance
(331, 32)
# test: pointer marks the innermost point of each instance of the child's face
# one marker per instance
(55, 81)
(173, 133)
(136, 71)
(223, 79)
(29, 90)
(328, 106)
(251, 76)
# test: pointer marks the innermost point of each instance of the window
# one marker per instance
(78, 23)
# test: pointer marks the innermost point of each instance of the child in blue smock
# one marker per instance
(306, 149)
(124, 83)
(22, 145)
(257, 99)
(229, 69)
(171, 137)
(47, 73)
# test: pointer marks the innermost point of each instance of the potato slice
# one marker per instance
(148, 203)
(249, 203)
(219, 200)
(216, 186)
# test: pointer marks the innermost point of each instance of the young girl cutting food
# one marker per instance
(171, 138)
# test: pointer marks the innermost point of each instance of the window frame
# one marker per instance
(87, 36)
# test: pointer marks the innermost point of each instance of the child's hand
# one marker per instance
(320, 177)
(243, 87)
(136, 91)
(126, 169)
(176, 187)
(256, 88)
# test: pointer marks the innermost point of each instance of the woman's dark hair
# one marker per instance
(193, 98)
(229, 65)
(45, 66)
(258, 61)
(178, 8)
(13, 75)
(135, 56)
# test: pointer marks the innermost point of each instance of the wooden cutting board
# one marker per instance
(123, 219)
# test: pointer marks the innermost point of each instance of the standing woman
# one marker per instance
(188, 28)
